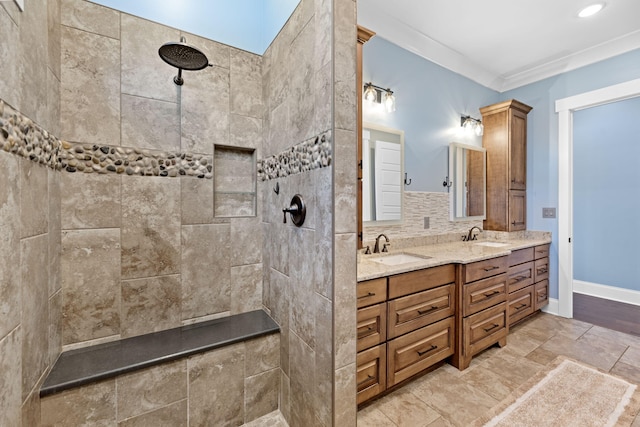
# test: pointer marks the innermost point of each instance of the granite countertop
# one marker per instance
(445, 253)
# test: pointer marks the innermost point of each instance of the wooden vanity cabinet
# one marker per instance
(528, 282)
(371, 372)
(371, 360)
(482, 321)
(505, 139)
(406, 324)
(420, 321)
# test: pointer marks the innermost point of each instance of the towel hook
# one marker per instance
(406, 181)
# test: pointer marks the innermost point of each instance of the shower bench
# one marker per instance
(240, 350)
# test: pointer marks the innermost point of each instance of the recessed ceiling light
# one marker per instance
(590, 10)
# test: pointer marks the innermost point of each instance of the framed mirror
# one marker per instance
(468, 182)
(382, 174)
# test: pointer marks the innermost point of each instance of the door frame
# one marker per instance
(565, 108)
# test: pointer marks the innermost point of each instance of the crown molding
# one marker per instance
(408, 38)
(400, 34)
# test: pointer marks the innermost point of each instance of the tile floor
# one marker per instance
(448, 397)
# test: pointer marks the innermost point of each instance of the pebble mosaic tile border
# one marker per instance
(314, 153)
(21, 136)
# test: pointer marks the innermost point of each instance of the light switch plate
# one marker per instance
(548, 212)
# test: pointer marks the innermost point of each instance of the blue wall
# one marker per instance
(247, 24)
(542, 135)
(606, 194)
(430, 100)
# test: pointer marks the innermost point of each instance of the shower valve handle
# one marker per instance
(293, 210)
(297, 210)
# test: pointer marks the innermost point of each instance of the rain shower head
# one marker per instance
(183, 57)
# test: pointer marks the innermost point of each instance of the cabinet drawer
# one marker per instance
(520, 304)
(421, 280)
(371, 292)
(487, 268)
(371, 372)
(520, 276)
(415, 311)
(541, 269)
(372, 326)
(520, 256)
(541, 296)
(418, 350)
(541, 251)
(484, 329)
(483, 294)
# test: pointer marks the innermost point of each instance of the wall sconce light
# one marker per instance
(469, 124)
(373, 93)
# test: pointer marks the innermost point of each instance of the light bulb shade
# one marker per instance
(390, 102)
(468, 125)
(479, 129)
(370, 94)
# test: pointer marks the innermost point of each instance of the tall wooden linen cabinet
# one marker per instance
(505, 139)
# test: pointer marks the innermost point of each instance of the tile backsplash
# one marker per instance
(417, 206)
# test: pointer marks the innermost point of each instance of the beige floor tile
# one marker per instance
(489, 382)
(440, 422)
(636, 423)
(629, 372)
(453, 398)
(603, 358)
(512, 366)
(524, 342)
(618, 337)
(632, 356)
(541, 356)
(405, 409)
(371, 416)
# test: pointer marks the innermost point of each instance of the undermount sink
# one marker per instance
(492, 244)
(397, 259)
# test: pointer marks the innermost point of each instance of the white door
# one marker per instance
(388, 163)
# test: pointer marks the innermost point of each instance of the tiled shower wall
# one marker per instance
(298, 261)
(310, 271)
(147, 253)
(30, 294)
(133, 247)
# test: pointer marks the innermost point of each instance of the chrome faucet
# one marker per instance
(376, 248)
(469, 237)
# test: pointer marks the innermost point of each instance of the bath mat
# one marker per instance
(568, 393)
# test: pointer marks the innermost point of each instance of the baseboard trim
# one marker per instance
(612, 293)
(553, 307)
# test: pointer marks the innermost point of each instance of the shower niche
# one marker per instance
(234, 174)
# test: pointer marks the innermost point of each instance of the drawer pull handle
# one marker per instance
(542, 297)
(369, 294)
(369, 378)
(429, 310)
(542, 251)
(433, 347)
(523, 305)
(365, 332)
(541, 270)
(495, 325)
(520, 279)
(495, 267)
(491, 294)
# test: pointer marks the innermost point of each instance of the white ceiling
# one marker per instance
(504, 44)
